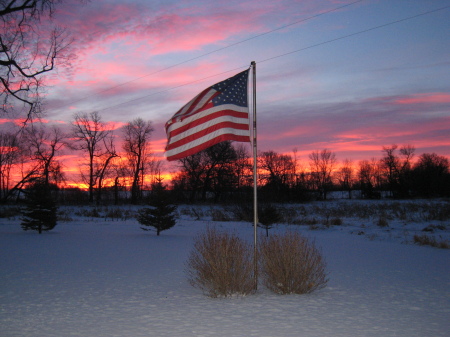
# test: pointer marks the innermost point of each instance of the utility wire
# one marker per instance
(357, 33)
(285, 54)
(215, 51)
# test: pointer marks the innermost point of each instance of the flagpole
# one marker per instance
(255, 181)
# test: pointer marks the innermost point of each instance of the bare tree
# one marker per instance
(243, 166)
(397, 168)
(322, 164)
(210, 170)
(431, 176)
(191, 174)
(391, 164)
(345, 176)
(407, 152)
(154, 167)
(28, 50)
(278, 174)
(90, 134)
(16, 168)
(280, 167)
(103, 165)
(10, 152)
(120, 177)
(369, 174)
(220, 175)
(44, 144)
(137, 147)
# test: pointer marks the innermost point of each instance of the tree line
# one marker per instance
(32, 154)
(224, 172)
(118, 166)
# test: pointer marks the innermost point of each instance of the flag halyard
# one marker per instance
(218, 113)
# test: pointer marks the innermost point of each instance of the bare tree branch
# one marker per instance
(28, 50)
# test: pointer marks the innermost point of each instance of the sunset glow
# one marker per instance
(350, 79)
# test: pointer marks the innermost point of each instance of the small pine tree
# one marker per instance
(40, 212)
(161, 214)
(268, 215)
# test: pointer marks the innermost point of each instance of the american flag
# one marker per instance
(218, 113)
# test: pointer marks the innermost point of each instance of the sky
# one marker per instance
(349, 76)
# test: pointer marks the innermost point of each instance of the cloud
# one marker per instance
(354, 129)
(19, 121)
(171, 28)
(122, 47)
(425, 98)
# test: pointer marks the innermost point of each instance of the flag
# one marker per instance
(218, 113)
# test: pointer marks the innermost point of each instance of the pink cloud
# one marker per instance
(17, 121)
(439, 98)
(5, 120)
(185, 32)
(167, 29)
(114, 125)
(159, 145)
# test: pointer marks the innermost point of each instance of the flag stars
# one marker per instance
(232, 90)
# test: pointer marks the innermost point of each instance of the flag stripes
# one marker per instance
(217, 114)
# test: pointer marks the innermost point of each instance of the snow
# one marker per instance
(102, 277)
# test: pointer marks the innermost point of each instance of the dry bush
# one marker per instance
(242, 211)
(194, 212)
(382, 222)
(64, 215)
(221, 265)
(426, 240)
(197, 213)
(89, 212)
(439, 211)
(291, 264)
(9, 212)
(336, 222)
(219, 215)
(332, 222)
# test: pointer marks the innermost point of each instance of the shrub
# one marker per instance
(9, 212)
(242, 212)
(117, 213)
(335, 222)
(291, 264)
(219, 215)
(221, 265)
(433, 228)
(88, 212)
(426, 240)
(382, 222)
(64, 215)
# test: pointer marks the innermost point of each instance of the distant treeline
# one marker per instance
(223, 174)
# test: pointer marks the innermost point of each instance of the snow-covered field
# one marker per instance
(93, 277)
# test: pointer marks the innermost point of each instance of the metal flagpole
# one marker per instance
(255, 181)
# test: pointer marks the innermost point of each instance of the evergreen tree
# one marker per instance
(268, 215)
(40, 212)
(160, 215)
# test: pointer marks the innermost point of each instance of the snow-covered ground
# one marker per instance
(93, 277)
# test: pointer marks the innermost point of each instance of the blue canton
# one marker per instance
(232, 91)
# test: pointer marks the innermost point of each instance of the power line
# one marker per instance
(285, 54)
(216, 50)
(353, 34)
